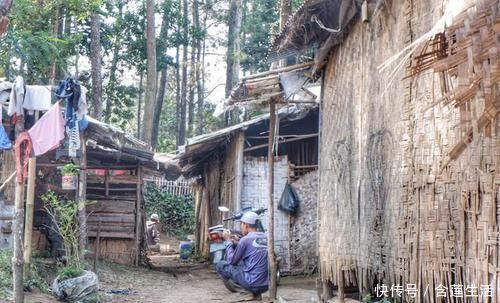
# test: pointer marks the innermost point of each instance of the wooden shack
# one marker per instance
(410, 150)
(114, 166)
(231, 166)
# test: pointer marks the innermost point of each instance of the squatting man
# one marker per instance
(246, 261)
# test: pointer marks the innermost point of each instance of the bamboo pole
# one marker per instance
(270, 230)
(97, 245)
(282, 141)
(17, 260)
(279, 70)
(7, 181)
(30, 201)
(138, 229)
(82, 198)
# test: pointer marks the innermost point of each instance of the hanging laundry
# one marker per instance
(69, 90)
(5, 88)
(75, 111)
(82, 103)
(4, 139)
(48, 132)
(37, 97)
(16, 97)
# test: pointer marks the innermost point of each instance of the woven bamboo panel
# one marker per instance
(410, 170)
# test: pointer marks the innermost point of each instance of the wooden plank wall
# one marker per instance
(396, 205)
(113, 203)
(220, 186)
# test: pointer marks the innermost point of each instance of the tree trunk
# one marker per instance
(178, 95)
(285, 12)
(95, 62)
(233, 49)
(200, 73)
(149, 102)
(139, 103)
(160, 98)
(114, 66)
(182, 132)
(192, 87)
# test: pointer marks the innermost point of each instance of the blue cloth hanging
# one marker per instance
(4, 139)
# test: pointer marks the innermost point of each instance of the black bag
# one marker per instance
(289, 201)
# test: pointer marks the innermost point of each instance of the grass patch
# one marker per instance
(33, 280)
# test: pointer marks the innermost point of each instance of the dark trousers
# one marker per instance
(236, 273)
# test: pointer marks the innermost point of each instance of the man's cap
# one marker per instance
(249, 217)
(155, 217)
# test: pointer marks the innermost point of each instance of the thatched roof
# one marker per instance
(109, 144)
(317, 24)
(288, 85)
(200, 149)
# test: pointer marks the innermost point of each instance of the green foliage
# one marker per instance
(64, 213)
(68, 272)
(258, 27)
(176, 212)
(32, 280)
(70, 169)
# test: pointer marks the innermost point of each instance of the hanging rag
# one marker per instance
(37, 97)
(17, 97)
(48, 132)
(5, 88)
(4, 139)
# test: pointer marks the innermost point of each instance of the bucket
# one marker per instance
(185, 250)
(69, 182)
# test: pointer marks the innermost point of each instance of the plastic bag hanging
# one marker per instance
(289, 201)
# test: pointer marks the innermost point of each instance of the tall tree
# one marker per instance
(178, 103)
(149, 102)
(163, 61)
(199, 35)
(184, 83)
(117, 37)
(233, 47)
(95, 62)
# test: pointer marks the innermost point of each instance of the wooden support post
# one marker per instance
(82, 199)
(30, 201)
(270, 209)
(239, 168)
(138, 229)
(17, 260)
(97, 245)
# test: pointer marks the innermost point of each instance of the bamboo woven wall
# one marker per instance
(409, 186)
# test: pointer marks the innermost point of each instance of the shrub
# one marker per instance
(70, 169)
(176, 212)
(64, 214)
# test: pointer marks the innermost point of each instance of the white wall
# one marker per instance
(255, 194)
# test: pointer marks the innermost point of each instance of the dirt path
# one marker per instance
(200, 285)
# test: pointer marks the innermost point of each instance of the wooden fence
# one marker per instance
(178, 187)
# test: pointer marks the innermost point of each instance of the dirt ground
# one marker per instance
(132, 284)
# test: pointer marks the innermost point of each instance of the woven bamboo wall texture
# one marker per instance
(399, 202)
